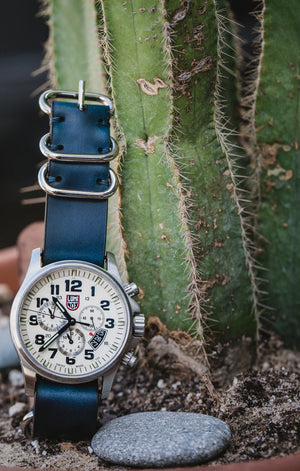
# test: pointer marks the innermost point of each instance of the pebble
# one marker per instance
(17, 408)
(161, 439)
(35, 445)
(8, 354)
(16, 378)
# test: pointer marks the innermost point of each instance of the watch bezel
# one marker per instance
(25, 357)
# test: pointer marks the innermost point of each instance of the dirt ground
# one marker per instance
(261, 405)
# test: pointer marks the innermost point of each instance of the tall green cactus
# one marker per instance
(275, 143)
(183, 220)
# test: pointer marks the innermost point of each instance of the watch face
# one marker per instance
(72, 323)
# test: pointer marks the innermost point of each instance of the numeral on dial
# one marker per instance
(105, 305)
(33, 320)
(73, 285)
(70, 361)
(54, 289)
(110, 323)
(89, 354)
(39, 339)
(54, 352)
(41, 301)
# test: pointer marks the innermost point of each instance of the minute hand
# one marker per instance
(55, 336)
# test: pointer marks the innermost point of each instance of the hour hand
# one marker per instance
(61, 308)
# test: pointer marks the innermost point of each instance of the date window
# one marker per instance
(98, 338)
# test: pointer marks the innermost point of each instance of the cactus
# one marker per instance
(183, 224)
(273, 134)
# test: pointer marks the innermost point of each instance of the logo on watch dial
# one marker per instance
(73, 301)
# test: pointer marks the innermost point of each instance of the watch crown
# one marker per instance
(129, 359)
(131, 289)
(138, 325)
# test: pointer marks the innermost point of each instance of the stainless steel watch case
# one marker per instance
(107, 374)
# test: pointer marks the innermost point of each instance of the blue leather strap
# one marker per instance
(65, 411)
(75, 229)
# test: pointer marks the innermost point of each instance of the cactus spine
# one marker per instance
(277, 119)
(189, 207)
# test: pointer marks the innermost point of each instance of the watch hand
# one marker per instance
(84, 323)
(55, 336)
(51, 313)
(44, 313)
(92, 319)
(70, 338)
(61, 308)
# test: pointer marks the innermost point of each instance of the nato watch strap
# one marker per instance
(65, 411)
(75, 228)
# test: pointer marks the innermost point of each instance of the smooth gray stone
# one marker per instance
(8, 354)
(161, 439)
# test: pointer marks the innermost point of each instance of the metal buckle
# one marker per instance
(79, 96)
(101, 195)
(27, 425)
(112, 154)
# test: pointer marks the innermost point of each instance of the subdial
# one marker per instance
(50, 318)
(93, 316)
(71, 342)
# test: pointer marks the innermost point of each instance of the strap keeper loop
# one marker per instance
(98, 195)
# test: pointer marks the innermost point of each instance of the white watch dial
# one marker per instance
(74, 322)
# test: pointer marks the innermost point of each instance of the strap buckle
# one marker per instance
(78, 95)
(99, 195)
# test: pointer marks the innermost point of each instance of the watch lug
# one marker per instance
(134, 306)
(34, 264)
(29, 378)
(107, 383)
(111, 266)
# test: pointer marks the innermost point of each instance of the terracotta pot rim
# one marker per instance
(281, 463)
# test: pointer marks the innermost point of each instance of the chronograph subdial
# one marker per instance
(48, 317)
(93, 316)
(71, 342)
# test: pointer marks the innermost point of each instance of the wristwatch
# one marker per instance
(73, 322)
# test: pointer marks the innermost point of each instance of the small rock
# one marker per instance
(8, 354)
(161, 384)
(35, 445)
(16, 378)
(160, 439)
(17, 408)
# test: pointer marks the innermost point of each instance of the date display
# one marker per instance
(98, 338)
